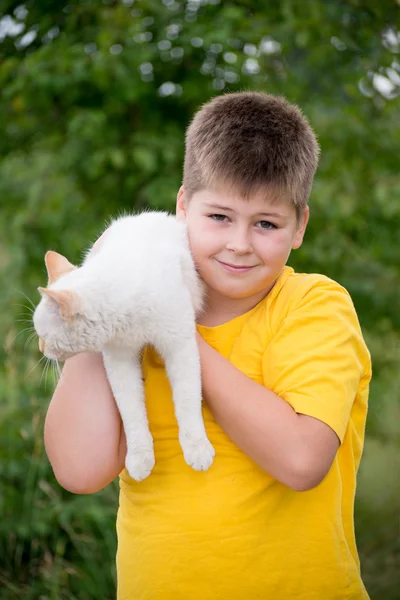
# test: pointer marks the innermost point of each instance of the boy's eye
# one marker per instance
(217, 217)
(267, 225)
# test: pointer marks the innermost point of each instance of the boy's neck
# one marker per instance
(219, 309)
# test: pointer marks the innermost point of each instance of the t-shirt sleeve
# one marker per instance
(318, 357)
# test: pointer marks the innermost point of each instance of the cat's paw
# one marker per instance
(140, 463)
(198, 452)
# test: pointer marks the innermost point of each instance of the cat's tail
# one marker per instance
(192, 280)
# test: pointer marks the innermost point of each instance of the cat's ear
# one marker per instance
(67, 300)
(57, 265)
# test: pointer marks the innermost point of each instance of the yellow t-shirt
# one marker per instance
(233, 532)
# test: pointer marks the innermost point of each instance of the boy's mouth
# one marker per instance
(235, 268)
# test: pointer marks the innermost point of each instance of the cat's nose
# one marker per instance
(41, 344)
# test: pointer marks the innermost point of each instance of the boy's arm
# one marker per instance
(84, 437)
(295, 449)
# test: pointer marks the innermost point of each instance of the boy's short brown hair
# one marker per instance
(251, 140)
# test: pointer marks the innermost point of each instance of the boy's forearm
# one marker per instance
(260, 423)
(83, 435)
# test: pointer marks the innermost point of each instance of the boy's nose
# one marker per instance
(240, 243)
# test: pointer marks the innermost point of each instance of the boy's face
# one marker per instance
(240, 245)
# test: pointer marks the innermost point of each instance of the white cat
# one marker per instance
(138, 287)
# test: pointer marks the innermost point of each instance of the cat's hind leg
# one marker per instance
(182, 363)
(124, 374)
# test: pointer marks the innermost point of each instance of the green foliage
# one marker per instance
(51, 542)
(95, 98)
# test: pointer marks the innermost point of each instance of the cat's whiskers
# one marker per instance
(53, 373)
(57, 365)
(27, 297)
(45, 372)
(33, 335)
(30, 337)
(25, 318)
(47, 369)
(56, 371)
(23, 331)
(31, 310)
(35, 365)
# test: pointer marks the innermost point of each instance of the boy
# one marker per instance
(285, 375)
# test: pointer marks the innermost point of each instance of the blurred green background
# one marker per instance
(95, 98)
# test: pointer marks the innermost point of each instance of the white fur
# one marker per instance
(139, 288)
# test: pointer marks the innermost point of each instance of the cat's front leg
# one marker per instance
(182, 364)
(124, 374)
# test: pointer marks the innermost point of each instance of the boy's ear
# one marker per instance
(67, 300)
(181, 204)
(301, 229)
(56, 265)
